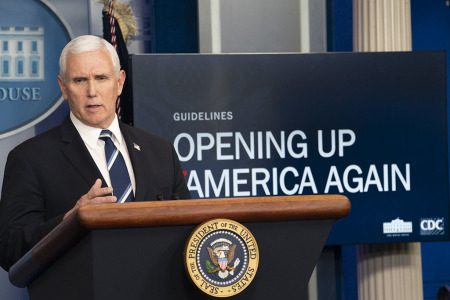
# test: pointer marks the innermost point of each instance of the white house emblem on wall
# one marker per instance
(32, 36)
(22, 53)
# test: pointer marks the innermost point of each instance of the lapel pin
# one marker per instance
(136, 146)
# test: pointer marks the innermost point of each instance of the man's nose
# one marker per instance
(91, 88)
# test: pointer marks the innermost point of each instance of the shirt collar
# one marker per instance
(90, 134)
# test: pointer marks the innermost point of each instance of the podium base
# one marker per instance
(147, 263)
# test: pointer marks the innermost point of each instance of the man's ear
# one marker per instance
(120, 82)
(62, 86)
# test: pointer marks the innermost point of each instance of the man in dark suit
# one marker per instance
(51, 175)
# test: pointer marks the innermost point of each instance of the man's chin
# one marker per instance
(97, 119)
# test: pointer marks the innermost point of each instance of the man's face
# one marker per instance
(91, 87)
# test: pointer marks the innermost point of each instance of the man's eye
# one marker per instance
(79, 80)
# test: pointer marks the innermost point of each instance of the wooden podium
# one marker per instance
(135, 250)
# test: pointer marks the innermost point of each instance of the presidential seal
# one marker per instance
(221, 257)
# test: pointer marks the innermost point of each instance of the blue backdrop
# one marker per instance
(371, 126)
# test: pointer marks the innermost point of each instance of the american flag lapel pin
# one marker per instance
(136, 146)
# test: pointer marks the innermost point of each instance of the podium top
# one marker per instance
(188, 212)
(171, 213)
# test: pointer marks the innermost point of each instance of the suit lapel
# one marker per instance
(138, 159)
(78, 155)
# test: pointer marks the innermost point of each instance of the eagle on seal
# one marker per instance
(221, 259)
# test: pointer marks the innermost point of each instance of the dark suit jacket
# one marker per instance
(46, 175)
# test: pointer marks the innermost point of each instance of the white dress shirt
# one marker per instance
(90, 136)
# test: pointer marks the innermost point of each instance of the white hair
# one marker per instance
(86, 43)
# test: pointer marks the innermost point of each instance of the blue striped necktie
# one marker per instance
(120, 179)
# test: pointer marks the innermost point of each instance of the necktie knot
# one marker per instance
(105, 134)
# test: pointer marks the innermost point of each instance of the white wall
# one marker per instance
(244, 26)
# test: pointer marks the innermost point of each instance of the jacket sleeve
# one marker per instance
(22, 210)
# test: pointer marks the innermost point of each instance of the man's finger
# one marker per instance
(100, 192)
(105, 199)
(97, 190)
(98, 183)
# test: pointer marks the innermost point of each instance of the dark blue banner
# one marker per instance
(371, 126)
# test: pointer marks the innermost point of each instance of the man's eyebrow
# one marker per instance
(78, 78)
(101, 75)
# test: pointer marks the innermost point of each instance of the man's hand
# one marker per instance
(96, 195)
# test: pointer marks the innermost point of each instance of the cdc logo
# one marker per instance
(432, 226)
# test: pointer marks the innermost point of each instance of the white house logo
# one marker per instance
(397, 227)
(31, 39)
(221, 257)
(22, 57)
(432, 226)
